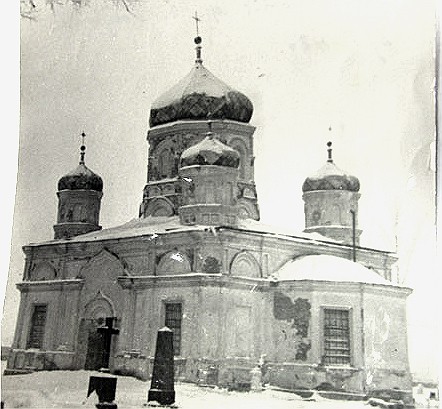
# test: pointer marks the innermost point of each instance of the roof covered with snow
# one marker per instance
(327, 268)
(155, 226)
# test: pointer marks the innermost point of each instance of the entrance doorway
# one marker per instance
(95, 356)
(99, 343)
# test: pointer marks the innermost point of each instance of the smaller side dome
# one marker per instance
(210, 151)
(330, 177)
(81, 178)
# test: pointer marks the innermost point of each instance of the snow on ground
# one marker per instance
(67, 389)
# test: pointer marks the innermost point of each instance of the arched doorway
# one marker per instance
(97, 334)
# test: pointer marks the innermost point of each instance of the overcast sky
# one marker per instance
(365, 69)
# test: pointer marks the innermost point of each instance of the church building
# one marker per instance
(317, 308)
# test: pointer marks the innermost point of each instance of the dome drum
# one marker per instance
(208, 214)
(209, 184)
(68, 230)
(342, 234)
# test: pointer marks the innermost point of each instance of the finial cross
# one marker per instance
(197, 20)
(82, 148)
(329, 150)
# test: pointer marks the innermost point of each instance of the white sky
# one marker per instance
(364, 68)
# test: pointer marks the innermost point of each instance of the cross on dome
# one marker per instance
(197, 40)
(82, 148)
(197, 20)
(329, 150)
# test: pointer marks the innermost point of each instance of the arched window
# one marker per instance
(165, 163)
(241, 148)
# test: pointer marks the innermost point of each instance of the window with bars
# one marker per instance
(173, 318)
(336, 337)
(38, 322)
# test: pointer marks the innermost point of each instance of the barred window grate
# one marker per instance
(38, 322)
(173, 322)
(336, 337)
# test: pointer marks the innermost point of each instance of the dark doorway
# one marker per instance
(96, 356)
(99, 344)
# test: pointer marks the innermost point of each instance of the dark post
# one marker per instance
(353, 219)
(162, 386)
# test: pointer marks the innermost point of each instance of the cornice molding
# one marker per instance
(51, 285)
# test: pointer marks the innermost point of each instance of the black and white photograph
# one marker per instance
(221, 204)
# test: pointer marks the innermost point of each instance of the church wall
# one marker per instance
(233, 331)
(149, 318)
(51, 355)
(386, 347)
(297, 313)
(224, 327)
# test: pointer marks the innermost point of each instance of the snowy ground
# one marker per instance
(67, 389)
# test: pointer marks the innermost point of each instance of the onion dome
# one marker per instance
(81, 178)
(200, 95)
(210, 151)
(330, 177)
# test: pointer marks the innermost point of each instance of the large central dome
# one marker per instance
(200, 95)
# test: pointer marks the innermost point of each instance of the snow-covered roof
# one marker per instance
(327, 268)
(153, 226)
(259, 227)
(148, 226)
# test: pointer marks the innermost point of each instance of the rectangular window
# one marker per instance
(38, 321)
(173, 322)
(336, 337)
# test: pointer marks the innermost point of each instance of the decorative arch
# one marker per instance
(174, 263)
(43, 271)
(241, 148)
(99, 307)
(166, 158)
(245, 265)
(160, 206)
(102, 258)
(153, 191)
(336, 214)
